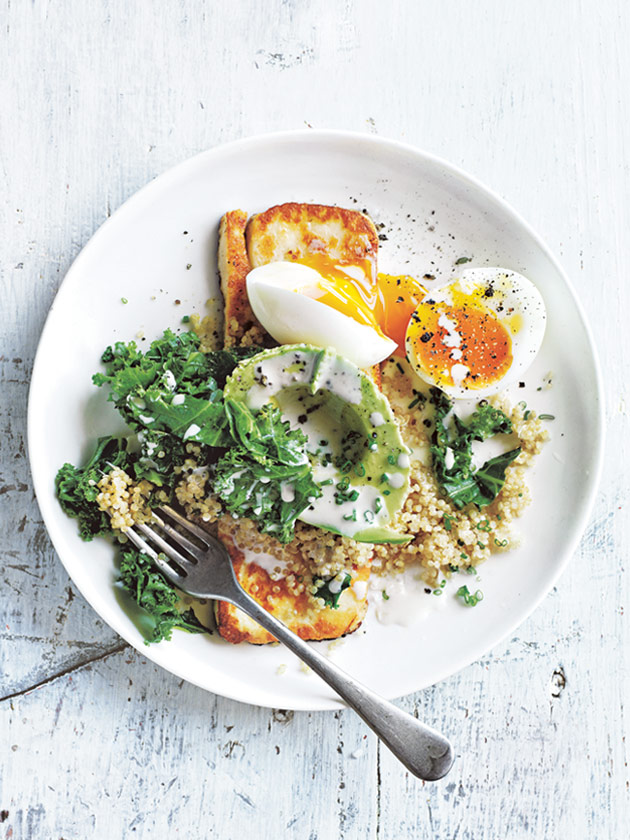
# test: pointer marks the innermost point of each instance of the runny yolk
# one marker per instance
(459, 344)
(386, 303)
(398, 299)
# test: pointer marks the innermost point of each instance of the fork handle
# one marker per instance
(424, 752)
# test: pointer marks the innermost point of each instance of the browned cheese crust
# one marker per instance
(240, 326)
(293, 231)
(309, 622)
(287, 231)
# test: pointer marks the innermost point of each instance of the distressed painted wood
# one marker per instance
(98, 98)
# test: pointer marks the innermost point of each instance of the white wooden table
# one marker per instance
(99, 97)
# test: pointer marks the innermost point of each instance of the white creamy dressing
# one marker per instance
(407, 601)
(280, 372)
(276, 569)
(376, 419)
(452, 337)
(340, 376)
(178, 399)
(327, 513)
(146, 420)
(193, 429)
(287, 492)
(276, 374)
(169, 380)
(459, 372)
(360, 588)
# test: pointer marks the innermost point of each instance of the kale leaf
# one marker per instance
(266, 476)
(330, 597)
(151, 591)
(77, 488)
(460, 481)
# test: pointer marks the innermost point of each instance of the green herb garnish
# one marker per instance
(470, 599)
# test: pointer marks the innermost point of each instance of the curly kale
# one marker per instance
(460, 481)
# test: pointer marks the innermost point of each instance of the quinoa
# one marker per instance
(123, 499)
(208, 329)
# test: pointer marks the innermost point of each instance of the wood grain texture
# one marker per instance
(100, 97)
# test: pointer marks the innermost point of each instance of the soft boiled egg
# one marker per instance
(326, 304)
(474, 335)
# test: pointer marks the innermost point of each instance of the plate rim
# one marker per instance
(323, 136)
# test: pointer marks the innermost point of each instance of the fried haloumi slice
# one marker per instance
(309, 622)
(287, 231)
(240, 326)
(293, 231)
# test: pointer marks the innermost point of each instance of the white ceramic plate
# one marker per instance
(160, 248)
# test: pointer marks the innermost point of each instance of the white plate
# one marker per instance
(433, 214)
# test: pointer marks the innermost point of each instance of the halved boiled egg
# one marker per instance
(328, 306)
(477, 333)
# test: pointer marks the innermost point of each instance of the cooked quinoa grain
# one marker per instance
(125, 501)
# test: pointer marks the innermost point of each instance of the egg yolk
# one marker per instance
(398, 298)
(386, 303)
(459, 344)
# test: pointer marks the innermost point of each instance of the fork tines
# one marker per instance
(182, 551)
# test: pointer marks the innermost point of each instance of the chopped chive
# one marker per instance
(385, 595)
(546, 417)
(414, 402)
(527, 413)
(391, 460)
(471, 600)
(368, 516)
(463, 260)
(326, 482)
(124, 300)
(378, 504)
(500, 543)
(437, 591)
(359, 470)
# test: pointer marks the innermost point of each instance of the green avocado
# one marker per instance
(358, 456)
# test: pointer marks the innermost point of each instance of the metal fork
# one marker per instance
(202, 568)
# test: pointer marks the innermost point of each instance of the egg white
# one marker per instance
(278, 296)
(512, 295)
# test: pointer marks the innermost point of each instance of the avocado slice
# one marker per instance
(358, 456)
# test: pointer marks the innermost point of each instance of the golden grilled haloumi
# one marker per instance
(286, 232)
